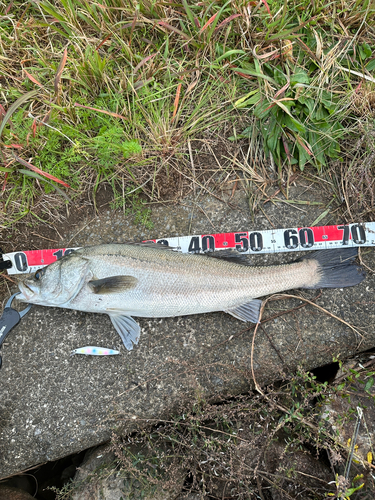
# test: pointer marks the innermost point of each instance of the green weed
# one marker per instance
(149, 78)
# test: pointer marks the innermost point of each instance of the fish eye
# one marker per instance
(39, 273)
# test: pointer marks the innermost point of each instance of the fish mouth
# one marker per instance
(27, 292)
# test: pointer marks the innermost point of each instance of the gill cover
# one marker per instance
(56, 284)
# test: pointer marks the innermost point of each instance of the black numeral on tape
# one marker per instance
(59, 253)
(291, 238)
(208, 243)
(357, 232)
(194, 245)
(256, 242)
(243, 242)
(306, 237)
(20, 260)
(345, 236)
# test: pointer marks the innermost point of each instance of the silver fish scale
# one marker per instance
(174, 284)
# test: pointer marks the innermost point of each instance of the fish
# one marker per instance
(150, 280)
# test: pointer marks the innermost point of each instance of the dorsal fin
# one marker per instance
(230, 255)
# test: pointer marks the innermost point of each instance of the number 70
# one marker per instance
(356, 231)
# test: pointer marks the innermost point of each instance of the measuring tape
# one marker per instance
(247, 242)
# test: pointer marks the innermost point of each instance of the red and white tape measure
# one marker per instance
(248, 242)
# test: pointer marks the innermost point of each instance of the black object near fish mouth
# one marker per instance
(9, 319)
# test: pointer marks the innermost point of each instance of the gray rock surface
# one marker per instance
(297, 473)
(52, 404)
(89, 483)
(99, 478)
(11, 493)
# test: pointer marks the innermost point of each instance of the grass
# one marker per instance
(122, 89)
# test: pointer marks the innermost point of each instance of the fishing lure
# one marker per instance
(94, 351)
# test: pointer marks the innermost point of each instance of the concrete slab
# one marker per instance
(52, 405)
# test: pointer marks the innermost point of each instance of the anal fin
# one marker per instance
(127, 328)
(247, 312)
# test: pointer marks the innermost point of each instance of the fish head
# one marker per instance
(56, 284)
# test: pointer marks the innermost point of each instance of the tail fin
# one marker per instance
(337, 268)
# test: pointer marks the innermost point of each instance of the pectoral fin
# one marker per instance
(127, 328)
(247, 312)
(113, 284)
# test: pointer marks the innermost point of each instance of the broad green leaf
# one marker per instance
(350, 491)
(329, 103)
(303, 156)
(262, 109)
(307, 101)
(247, 65)
(228, 54)
(190, 14)
(320, 114)
(313, 138)
(272, 134)
(294, 124)
(50, 10)
(320, 158)
(233, 138)
(370, 66)
(330, 106)
(365, 50)
(321, 216)
(300, 77)
(290, 121)
(247, 131)
(369, 384)
(15, 106)
(334, 149)
(255, 73)
(338, 129)
(288, 103)
(30, 173)
(279, 77)
(247, 100)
